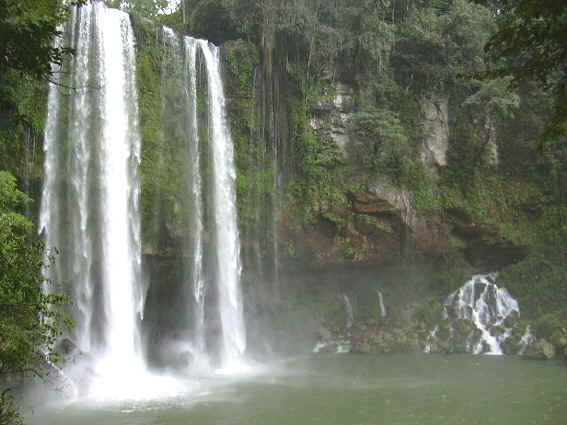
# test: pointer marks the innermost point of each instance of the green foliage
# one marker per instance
(319, 163)
(385, 145)
(531, 35)
(29, 319)
(248, 17)
(255, 168)
(436, 45)
(27, 28)
(9, 413)
(240, 60)
(147, 8)
(530, 47)
(211, 19)
(539, 284)
(495, 97)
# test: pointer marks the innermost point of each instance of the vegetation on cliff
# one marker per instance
(328, 104)
(29, 318)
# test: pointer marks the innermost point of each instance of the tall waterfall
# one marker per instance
(197, 278)
(90, 208)
(226, 229)
(185, 63)
(90, 202)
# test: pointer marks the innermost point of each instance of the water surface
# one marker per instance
(352, 390)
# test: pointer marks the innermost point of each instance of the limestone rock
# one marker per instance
(332, 113)
(542, 350)
(436, 125)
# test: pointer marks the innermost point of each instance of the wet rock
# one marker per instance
(559, 339)
(541, 350)
(485, 248)
(371, 203)
(436, 127)
(324, 334)
(67, 347)
(363, 348)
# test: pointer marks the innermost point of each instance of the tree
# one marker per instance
(438, 44)
(147, 8)
(530, 46)
(29, 319)
(211, 20)
(27, 29)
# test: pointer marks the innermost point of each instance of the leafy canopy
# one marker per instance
(530, 45)
(29, 323)
(27, 30)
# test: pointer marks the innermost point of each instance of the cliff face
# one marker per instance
(347, 180)
(364, 159)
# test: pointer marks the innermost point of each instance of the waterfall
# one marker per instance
(197, 278)
(383, 312)
(528, 338)
(120, 157)
(488, 311)
(180, 72)
(49, 211)
(349, 313)
(179, 75)
(90, 203)
(431, 338)
(228, 268)
(90, 208)
(477, 316)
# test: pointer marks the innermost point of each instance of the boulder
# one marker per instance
(541, 350)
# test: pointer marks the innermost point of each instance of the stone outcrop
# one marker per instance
(332, 114)
(485, 248)
(435, 115)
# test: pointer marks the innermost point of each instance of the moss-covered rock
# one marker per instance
(541, 350)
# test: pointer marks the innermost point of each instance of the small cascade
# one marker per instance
(476, 317)
(349, 313)
(342, 343)
(527, 340)
(383, 311)
(431, 338)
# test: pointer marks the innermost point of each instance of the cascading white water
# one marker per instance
(224, 198)
(49, 211)
(89, 208)
(119, 159)
(481, 302)
(528, 338)
(431, 338)
(349, 313)
(78, 130)
(383, 311)
(197, 279)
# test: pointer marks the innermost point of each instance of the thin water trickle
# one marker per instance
(383, 311)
